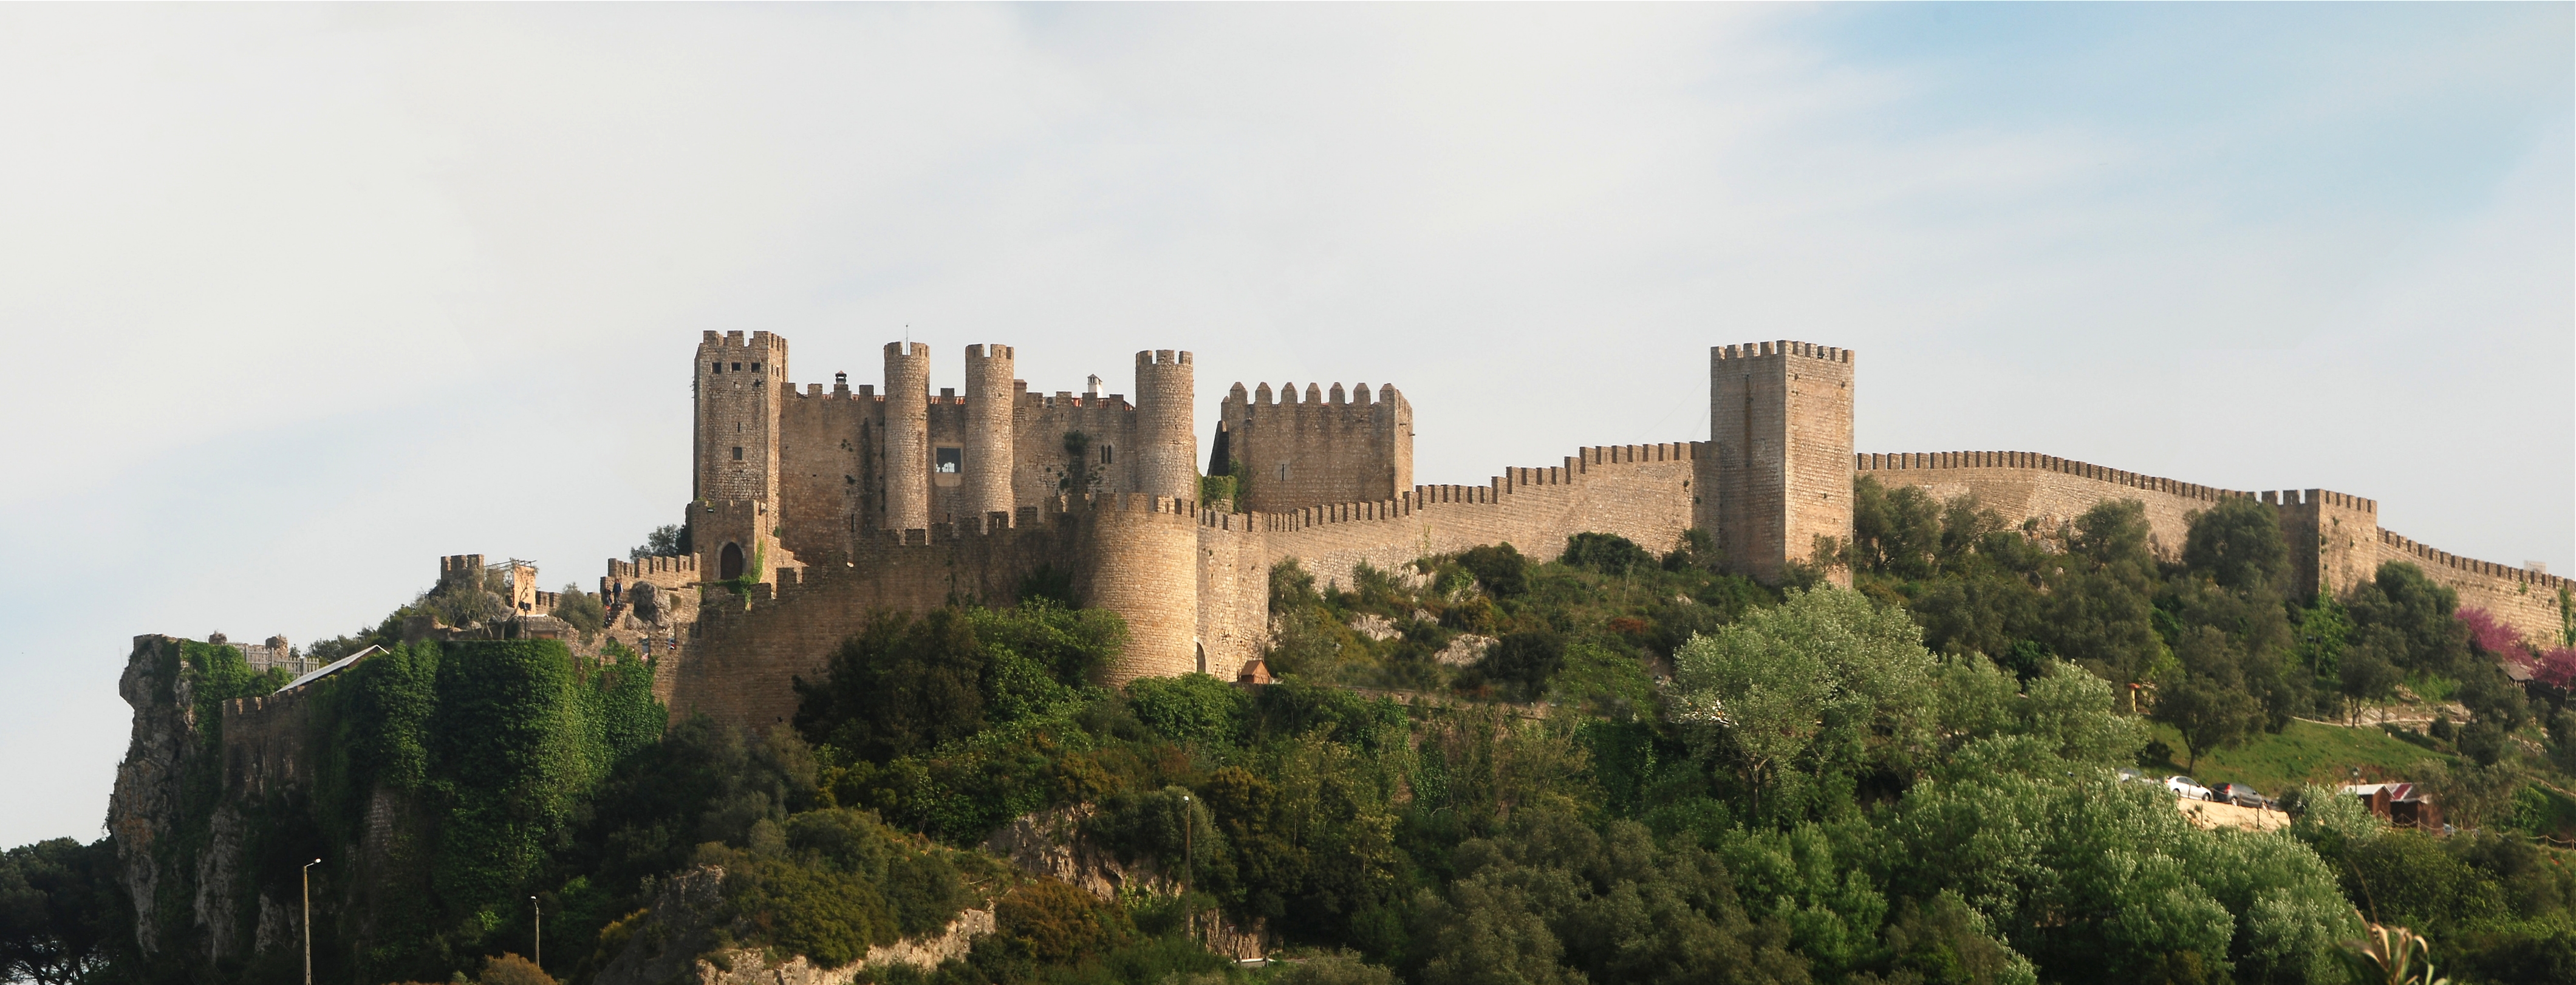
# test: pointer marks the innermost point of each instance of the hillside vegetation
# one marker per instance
(1620, 766)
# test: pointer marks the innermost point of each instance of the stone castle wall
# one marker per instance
(2529, 601)
(2030, 486)
(2334, 538)
(1233, 581)
(843, 534)
(1193, 585)
(1641, 492)
(835, 464)
(735, 450)
(264, 743)
(1342, 449)
(1780, 428)
(1129, 553)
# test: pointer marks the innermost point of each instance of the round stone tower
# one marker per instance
(907, 435)
(1167, 441)
(988, 434)
(1142, 563)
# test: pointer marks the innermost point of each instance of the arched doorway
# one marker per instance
(729, 566)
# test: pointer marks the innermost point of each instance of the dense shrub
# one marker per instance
(1609, 554)
(1499, 568)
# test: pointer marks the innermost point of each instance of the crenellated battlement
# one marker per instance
(453, 568)
(915, 497)
(2428, 556)
(1358, 396)
(759, 341)
(1783, 347)
(262, 705)
(1919, 461)
(1353, 444)
(671, 564)
(1587, 464)
(2320, 497)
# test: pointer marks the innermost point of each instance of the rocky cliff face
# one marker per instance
(181, 835)
(1049, 844)
(676, 941)
(143, 813)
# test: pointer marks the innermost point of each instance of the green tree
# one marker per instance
(2321, 631)
(1520, 664)
(1336, 968)
(1827, 672)
(2419, 611)
(2030, 849)
(1895, 532)
(1192, 708)
(507, 739)
(2238, 544)
(2492, 697)
(664, 541)
(62, 911)
(2100, 610)
(582, 610)
(2367, 672)
(2207, 700)
(1609, 554)
(1985, 612)
(1969, 529)
(1058, 923)
(1498, 567)
(898, 686)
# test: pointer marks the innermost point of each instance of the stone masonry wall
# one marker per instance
(1129, 553)
(2526, 600)
(739, 661)
(823, 458)
(1233, 591)
(2052, 490)
(2335, 540)
(1641, 492)
(1042, 465)
(1142, 563)
(1780, 427)
(1187, 581)
(264, 743)
(736, 446)
(1336, 449)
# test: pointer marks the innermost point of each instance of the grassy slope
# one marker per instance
(2305, 752)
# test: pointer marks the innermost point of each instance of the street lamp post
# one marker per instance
(540, 911)
(308, 920)
(1189, 870)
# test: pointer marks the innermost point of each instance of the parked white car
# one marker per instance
(2184, 786)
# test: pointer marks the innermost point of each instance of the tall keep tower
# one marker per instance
(737, 416)
(990, 400)
(1166, 439)
(907, 436)
(1780, 421)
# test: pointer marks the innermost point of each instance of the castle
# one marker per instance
(820, 506)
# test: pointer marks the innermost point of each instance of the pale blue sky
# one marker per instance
(307, 296)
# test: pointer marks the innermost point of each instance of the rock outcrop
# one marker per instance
(677, 941)
(144, 812)
(1049, 844)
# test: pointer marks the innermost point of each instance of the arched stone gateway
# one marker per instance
(729, 566)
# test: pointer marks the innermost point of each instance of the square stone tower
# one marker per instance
(1780, 423)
